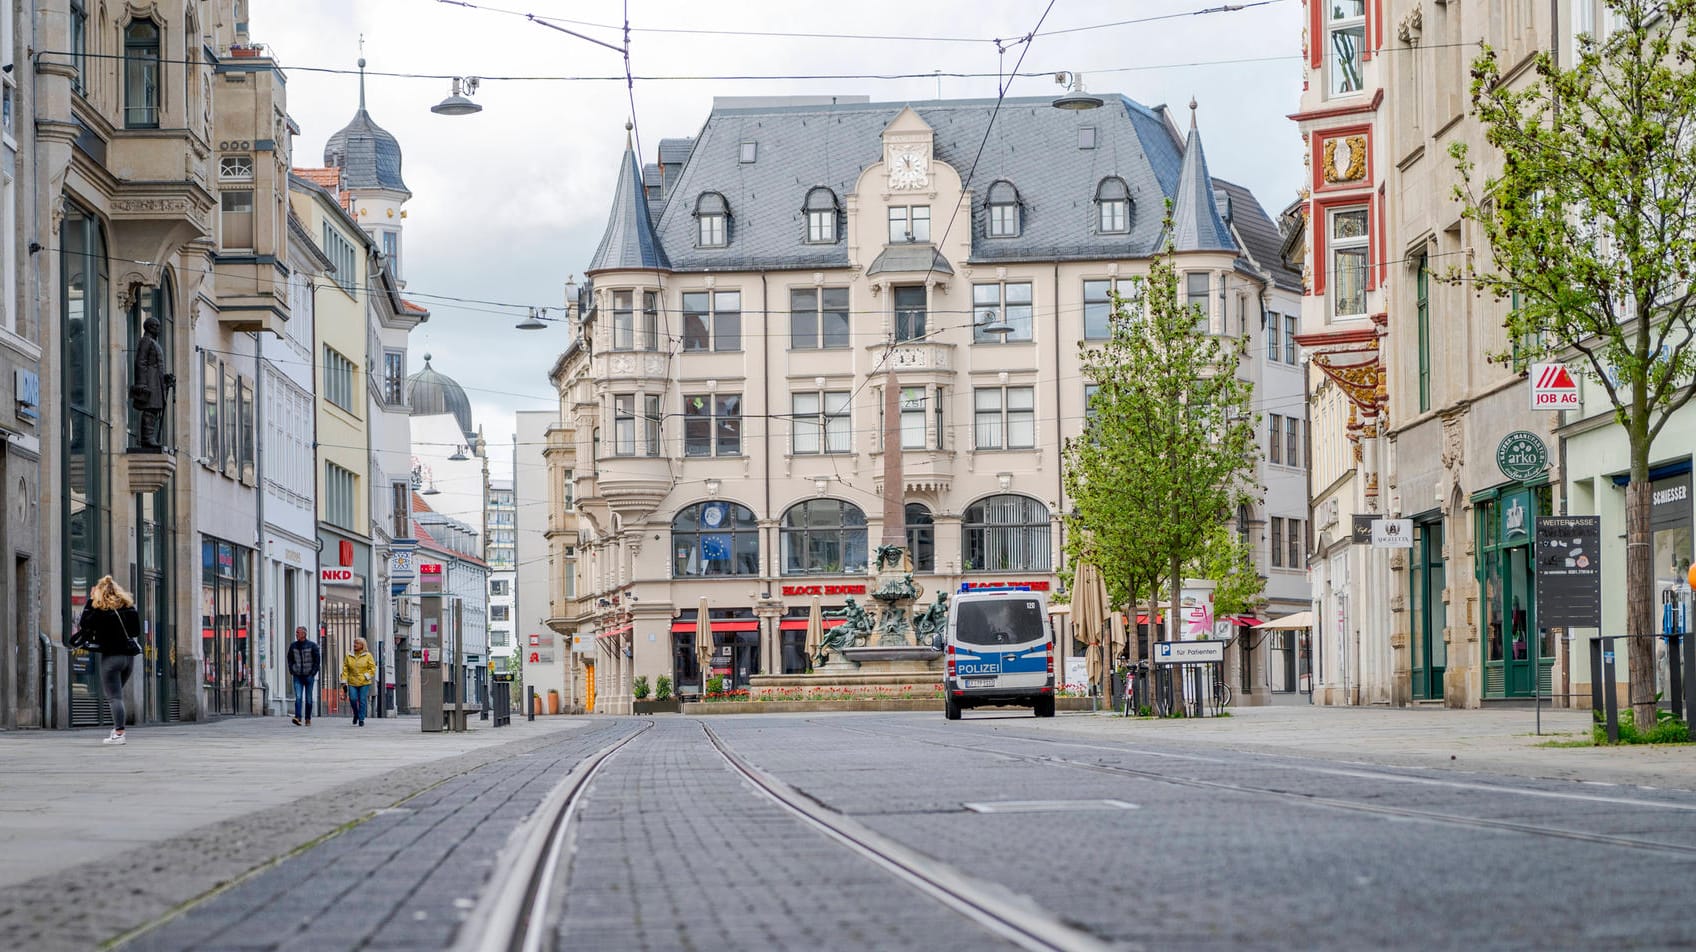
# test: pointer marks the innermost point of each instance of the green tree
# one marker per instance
(1169, 447)
(1591, 226)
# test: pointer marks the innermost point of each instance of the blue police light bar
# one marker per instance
(991, 587)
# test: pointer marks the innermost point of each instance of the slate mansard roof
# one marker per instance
(1035, 147)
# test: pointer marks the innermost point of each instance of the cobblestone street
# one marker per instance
(1139, 834)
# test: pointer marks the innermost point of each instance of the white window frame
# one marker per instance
(1335, 27)
(1020, 314)
(999, 425)
(822, 422)
(1334, 245)
(915, 227)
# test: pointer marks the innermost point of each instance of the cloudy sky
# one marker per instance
(510, 202)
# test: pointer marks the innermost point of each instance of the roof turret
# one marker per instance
(629, 241)
(368, 155)
(1196, 225)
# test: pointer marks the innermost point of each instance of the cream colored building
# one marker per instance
(756, 286)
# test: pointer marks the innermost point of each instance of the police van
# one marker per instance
(1000, 651)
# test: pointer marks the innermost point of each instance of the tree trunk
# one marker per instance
(1177, 595)
(1640, 600)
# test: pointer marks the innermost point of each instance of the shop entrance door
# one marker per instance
(1430, 653)
(1517, 591)
(588, 687)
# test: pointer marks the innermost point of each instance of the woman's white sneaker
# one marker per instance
(113, 738)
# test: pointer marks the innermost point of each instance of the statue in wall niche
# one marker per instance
(150, 387)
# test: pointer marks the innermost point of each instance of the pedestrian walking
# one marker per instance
(303, 660)
(110, 626)
(359, 669)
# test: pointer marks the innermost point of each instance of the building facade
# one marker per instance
(162, 145)
(28, 661)
(1342, 223)
(726, 386)
(501, 551)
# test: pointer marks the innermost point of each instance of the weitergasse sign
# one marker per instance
(1569, 571)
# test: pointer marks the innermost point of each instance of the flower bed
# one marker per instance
(905, 693)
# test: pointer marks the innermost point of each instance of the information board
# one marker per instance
(1569, 571)
(1188, 652)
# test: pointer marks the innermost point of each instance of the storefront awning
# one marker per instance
(1288, 622)
(800, 624)
(621, 630)
(737, 624)
(1246, 620)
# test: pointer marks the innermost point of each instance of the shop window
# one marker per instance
(823, 537)
(1005, 533)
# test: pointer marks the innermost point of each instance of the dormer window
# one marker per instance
(712, 216)
(1002, 209)
(821, 210)
(1113, 206)
(141, 75)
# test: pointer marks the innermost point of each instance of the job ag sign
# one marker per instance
(1553, 387)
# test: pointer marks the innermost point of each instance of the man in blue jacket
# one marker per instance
(304, 663)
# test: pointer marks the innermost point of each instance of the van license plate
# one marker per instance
(980, 682)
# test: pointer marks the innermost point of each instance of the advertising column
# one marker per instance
(430, 615)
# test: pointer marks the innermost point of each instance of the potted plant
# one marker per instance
(663, 701)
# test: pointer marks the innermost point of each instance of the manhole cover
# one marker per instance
(1047, 806)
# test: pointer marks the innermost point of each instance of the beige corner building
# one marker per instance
(760, 283)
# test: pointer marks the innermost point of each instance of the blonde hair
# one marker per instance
(359, 644)
(109, 595)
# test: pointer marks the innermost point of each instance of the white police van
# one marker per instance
(1000, 650)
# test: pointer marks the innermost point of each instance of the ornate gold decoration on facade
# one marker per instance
(1355, 170)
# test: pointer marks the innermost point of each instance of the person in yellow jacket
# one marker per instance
(359, 669)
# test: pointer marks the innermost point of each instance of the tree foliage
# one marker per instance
(1169, 448)
(1591, 230)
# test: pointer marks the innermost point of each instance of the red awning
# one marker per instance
(1248, 620)
(1158, 619)
(739, 624)
(624, 630)
(800, 624)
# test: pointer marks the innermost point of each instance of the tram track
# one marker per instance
(516, 912)
(513, 915)
(992, 906)
(1317, 800)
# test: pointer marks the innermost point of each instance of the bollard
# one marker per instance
(530, 703)
(1610, 692)
(1675, 674)
(1596, 673)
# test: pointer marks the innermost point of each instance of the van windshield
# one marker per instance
(1009, 621)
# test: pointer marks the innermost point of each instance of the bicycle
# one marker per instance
(1221, 694)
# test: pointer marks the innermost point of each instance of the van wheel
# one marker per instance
(951, 709)
(1044, 707)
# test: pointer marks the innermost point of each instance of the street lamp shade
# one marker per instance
(990, 322)
(1075, 98)
(458, 455)
(431, 491)
(457, 104)
(532, 323)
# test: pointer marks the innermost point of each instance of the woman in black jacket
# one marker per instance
(111, 621)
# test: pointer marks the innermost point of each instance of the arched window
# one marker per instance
(1005, 534)
(921, 537)
(712, 217)
(714, 538)
(1113, 206)
(821, 210)
(1002, 207)
(824, 537)
(141, 75)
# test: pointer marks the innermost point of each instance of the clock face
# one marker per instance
(908, 168)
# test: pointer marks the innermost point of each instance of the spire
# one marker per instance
(1196, 225)
(362, 78)
(629, 241)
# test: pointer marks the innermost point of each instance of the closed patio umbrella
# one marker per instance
(815, 630)
(703, 642)
(1089, 613)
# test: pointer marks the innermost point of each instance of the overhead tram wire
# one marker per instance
(874, 37)
(766, 77)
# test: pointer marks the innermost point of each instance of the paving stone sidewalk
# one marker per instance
(97, 841)
(1493, 740)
